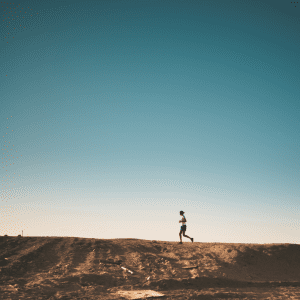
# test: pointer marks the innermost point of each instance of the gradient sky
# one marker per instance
(126, 112)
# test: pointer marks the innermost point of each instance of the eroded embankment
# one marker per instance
(70, 264)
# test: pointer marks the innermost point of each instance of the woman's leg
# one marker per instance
(186, 236)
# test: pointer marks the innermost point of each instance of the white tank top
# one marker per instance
(183, 223)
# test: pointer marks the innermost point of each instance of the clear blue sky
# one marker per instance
(126, 112)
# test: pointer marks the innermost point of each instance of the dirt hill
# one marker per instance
(85, 268)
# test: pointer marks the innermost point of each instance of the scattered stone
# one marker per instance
(127, 270)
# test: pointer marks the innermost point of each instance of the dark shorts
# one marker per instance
(183, 228)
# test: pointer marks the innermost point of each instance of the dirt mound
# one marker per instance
(83, 267)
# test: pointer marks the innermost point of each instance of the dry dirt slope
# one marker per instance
(84, 268)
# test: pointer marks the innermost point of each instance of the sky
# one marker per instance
(117, 115)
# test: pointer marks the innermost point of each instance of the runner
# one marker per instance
(183, 228)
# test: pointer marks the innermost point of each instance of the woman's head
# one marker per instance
(181, 212)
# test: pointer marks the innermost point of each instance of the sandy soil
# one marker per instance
(84, 268)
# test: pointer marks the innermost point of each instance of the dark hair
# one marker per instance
(181, 212)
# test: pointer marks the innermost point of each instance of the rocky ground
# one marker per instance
(85, 268)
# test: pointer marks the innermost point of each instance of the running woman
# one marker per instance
(183, 228)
